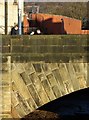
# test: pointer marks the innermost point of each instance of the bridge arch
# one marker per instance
(40, 69)
(35, 84)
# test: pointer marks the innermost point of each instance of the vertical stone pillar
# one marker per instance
(6, 88)
(0, 76)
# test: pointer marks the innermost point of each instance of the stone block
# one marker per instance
(48, 90)
(56, 91)
(34, 94)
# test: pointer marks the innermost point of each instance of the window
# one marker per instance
(33, 9)
(85, 24)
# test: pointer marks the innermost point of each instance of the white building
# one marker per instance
(10, 16)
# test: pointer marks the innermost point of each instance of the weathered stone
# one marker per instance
(41, 69)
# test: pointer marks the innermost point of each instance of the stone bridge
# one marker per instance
(38, 69)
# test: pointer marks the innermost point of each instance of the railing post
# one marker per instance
(6, 17)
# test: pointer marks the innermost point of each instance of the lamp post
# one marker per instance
(20, 16)
(6, 17)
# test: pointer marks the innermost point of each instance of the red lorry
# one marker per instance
(52, 24)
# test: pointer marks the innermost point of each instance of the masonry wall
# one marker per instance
(5, 89)
(35, 86)
(44, 68)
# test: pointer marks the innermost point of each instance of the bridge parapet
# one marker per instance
(45, 47)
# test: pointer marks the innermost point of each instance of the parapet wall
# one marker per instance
(49, 48)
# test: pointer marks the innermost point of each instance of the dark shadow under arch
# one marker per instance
(75, 105)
